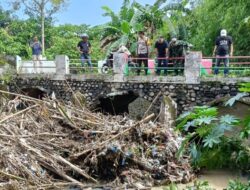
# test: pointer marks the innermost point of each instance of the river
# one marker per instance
(217, 179)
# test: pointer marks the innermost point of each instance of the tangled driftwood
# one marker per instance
(45, 144)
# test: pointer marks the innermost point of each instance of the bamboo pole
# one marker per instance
(18, 113)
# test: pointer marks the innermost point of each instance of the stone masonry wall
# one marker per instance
(186, 95)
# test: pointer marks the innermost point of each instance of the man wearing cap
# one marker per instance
(223, 49)
(161, 48)
(84, 48)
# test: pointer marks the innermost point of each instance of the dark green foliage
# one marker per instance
(245, 132)
(208, 17)
(237, 185)
(208, 142)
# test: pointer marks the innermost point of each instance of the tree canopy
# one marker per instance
(196, 21)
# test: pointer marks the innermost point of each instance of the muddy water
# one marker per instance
(217, 179)
(239, 110)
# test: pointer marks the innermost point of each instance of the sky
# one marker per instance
(84, 11)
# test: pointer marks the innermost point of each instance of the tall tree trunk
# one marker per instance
(43, 36)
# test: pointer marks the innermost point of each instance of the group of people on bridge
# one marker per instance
(166, 52)
(163, 50)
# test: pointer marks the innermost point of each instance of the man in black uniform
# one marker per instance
(161, 48)
(223, 49)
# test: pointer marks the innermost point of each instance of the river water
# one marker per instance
(217, 179)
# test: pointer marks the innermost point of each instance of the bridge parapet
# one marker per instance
(59, 66)
(60, 69)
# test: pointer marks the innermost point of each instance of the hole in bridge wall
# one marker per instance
(35, 92)
(116, 103)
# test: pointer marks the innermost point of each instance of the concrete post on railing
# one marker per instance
(1, 71)
(192, 67)
(62, 66)
(18, 64)
(120, 61)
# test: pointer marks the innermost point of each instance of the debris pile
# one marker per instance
(46, 144)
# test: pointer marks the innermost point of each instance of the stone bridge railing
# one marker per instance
(59, 69)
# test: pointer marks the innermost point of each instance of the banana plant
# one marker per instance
(122, 28)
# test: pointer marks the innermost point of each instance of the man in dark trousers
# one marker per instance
(84, 48)
(161, 48)
(223, 49)
(176, 53)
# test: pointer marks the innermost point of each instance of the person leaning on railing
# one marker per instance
(176, 55)
(222, 50)
(161, 49)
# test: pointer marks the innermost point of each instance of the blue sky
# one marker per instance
(85, 11)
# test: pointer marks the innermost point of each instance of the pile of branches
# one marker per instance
(46, 144)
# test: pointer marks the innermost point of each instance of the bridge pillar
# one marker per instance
(1, 71)
(192, 67)
(62, 66)
(18, 64)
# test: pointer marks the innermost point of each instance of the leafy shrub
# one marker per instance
(237, 185)
(207, 142)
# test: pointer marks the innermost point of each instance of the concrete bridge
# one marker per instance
(115, 93)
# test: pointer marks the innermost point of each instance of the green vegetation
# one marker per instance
(208, 140)
(209, 16)
(237, 185)
(41, 10)
(216, 142)
(197, 21)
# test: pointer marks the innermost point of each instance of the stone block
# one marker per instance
(168, 111)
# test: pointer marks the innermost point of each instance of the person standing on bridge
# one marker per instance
(36, 54)
(223, 49)
(142, 52)
(176, 55)
(161, 48)
(84, 48)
